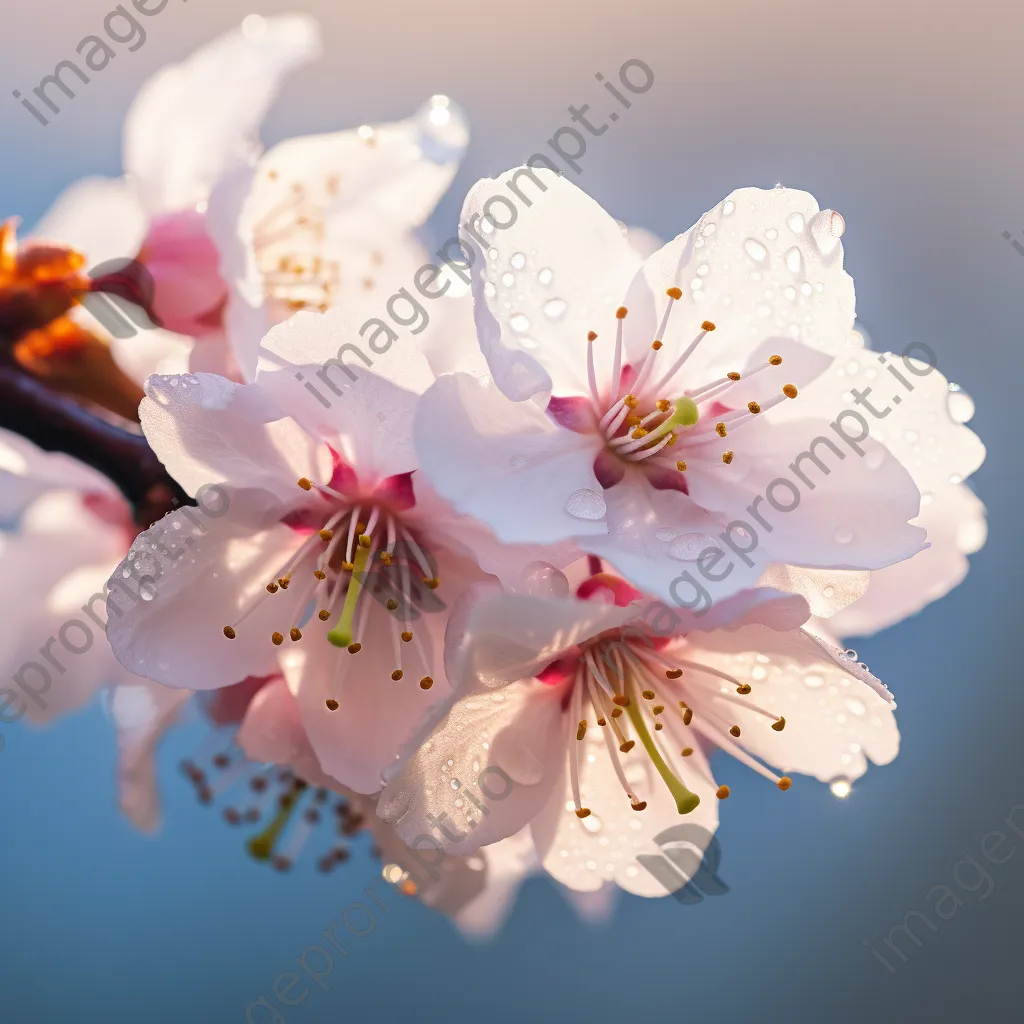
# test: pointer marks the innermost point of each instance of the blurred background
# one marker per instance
(905, 116)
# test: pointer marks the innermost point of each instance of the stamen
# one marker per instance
(591, 371)
(705, 329)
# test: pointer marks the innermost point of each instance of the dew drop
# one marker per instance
(771, 234)
(795, 222)
(728, 207)
(960, 404)
(840, 788)
(592, 823)
(795, 260)
(508, 279)
(541, 579)
(554, 309)
(519, 323)
(586, 504)
(665, 535)
(814, 682)
(755, 250)
(393, 808)
(517, 461)
(489, 290)
(518, 260)
(827, 228)
(545, 276)
(688, 547)
(855, 706)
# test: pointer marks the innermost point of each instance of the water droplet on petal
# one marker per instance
(795, 260)
(827, 228)
(814, 681)
(592, 823)
(489, 290)
(543, 580)
(586, 504)
(519, 322)
(843, 535)
(518, 260)
(392, 808)
(665, 535)
(795, 222)
(840, 788)
(755, 250)
(960, 404)
(855, 706)
(508, 279)
(545, 276)
(688, 547)
(517, 461)
(771, 234)
(728, 207)
(554, 309)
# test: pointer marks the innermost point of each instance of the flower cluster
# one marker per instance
(467, 564)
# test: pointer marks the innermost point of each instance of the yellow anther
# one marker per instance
(663, 405)
(229, 633)
(320, 574)
(681, 466)
(406, 637)
(364, 540)
(674, 293)
(722, 793)
(583, 812)
(727, 458)
(784, 783)
(323, 615)
(733, 375)
(707, 326)
(638, 433)
(326, 534)
(779, 725)
(621, 313)
(790, 391)
(720, 429)
(775, 360)
(306, 485)
(332, 704)
(656, 345)
(627, 746)
(592, 336)
(278, 639)
(354, 648)
(753, 407)
(426, 683)
(397, 674)
(295, 634)
(581, 729)
(630, 402)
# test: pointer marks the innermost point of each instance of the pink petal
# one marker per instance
(396, 491)
(574, 412)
